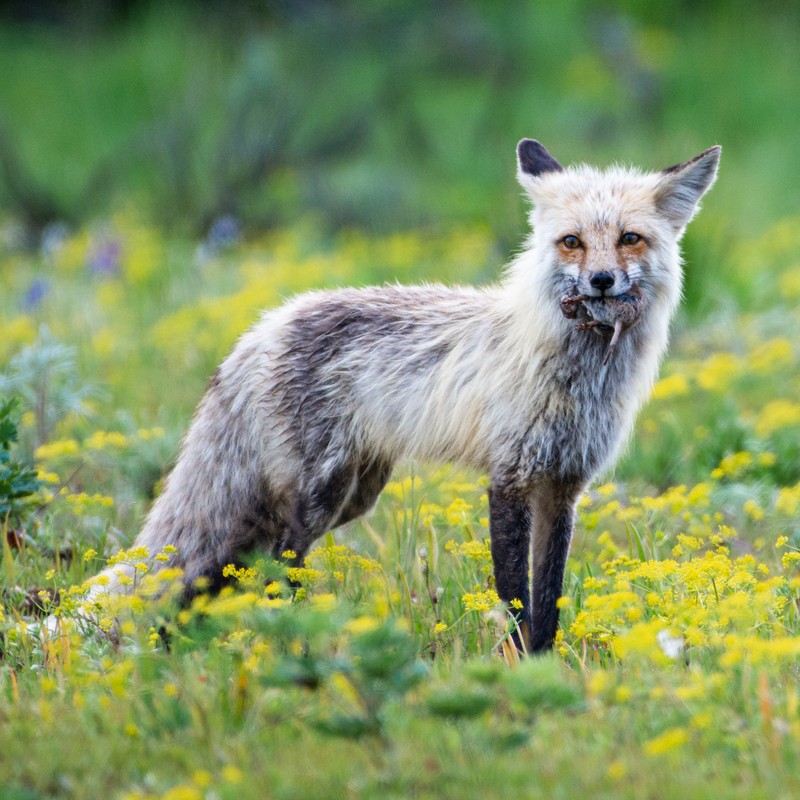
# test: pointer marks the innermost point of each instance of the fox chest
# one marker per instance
(577, 425)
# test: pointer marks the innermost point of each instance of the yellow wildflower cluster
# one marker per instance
(247, 576)
(98, 441)
(788, 500)
(678, 498)
(675, 385)
(666, 742)
(52, 451)
(83, 503)
(17, 332)
(337, 559)
(480, 601)
(104, 440)
(777, 415)
(709, 601)
(477, 551)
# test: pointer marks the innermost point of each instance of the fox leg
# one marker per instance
(554, 519)
(510, 527)
(371, 477)
(331, 497)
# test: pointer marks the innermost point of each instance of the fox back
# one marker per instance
(301, 425)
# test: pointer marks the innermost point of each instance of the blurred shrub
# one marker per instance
(382, 115)
(18, 483)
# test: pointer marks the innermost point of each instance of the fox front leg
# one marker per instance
(510, 523)
(538, 521)
(553, 510)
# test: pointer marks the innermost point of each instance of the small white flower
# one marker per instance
(671, 646)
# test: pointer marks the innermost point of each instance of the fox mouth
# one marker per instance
(609, 316)
(604, 308)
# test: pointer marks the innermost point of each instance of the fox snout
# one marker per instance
(601, 280)
(604, 282)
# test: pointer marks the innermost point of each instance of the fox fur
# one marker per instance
(303, 422)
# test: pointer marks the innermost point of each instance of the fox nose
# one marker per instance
(601, 281)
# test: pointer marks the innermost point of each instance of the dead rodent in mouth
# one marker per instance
(605, 314)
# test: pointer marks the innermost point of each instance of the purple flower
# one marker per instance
(36, 293)
(105, 257)
(224, 232)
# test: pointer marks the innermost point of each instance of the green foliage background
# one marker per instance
(388, 113)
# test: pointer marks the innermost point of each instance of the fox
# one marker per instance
(534, 381)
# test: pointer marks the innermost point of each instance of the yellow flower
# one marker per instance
(777, 415)
(771, 356)
(702, 720)
(231, 774)
(480, 601)
(361, 625)
(57, 449)
(674, 386)
(324, 602)
(304, 575)
(102, 440)
(146, 434)
(399, 489)
(767, 459)
(231, 604)
(16, 332)
(788, 500)
(182, 793)
(475, 550)
(789, 560)
(753, 510)
(718, 372)
(616, 770)
(733, 465)
(597, 683)
(691, 543)
(666, 742)
(456, 512)
(202, 778)
(623, 694)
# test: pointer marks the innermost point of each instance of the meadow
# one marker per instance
(677, 664)
(387, 674)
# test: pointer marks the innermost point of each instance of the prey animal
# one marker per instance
(605, 315)
(301, 425)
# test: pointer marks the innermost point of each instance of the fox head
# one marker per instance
(601, 233)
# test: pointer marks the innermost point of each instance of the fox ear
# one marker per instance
(533, 160)
(680, 187)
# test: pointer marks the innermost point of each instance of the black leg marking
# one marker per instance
(510, 528)
(555, 515)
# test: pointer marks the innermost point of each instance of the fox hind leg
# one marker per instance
(344, 491)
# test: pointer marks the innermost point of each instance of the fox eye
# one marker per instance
(630, 238)
(571, 242)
